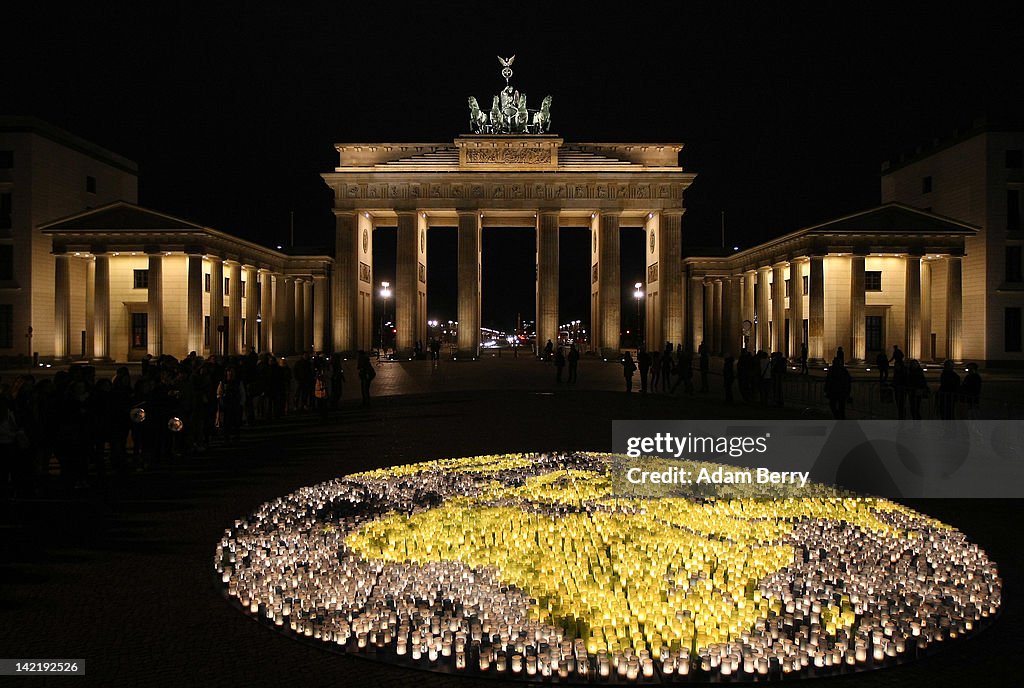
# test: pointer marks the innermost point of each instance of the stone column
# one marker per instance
(926, 310)
(954, 308)
(62, 308)
(858, 344)
(290, 316)
(283, 305)
(216, 305)
(670, 277)
(718, 327)
(345, 283)
(913, 307)
(155, 305)
(732, 315)
(307, 314)
(749, 309)
(299, 320)
(779, 307)
(90, 307)
(101, 314)
(406, 297)
(695, 286)
(762, 310)
(194, 313)
(816, 309)
(547, 278)
(252, 297)
(796, 306)
(469, 284)
(610, 293)
(320, 312)
(709, 317)
(234, 308)
(266, 314)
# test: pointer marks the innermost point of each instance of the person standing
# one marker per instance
(666, 368)
(949, 391)
(628, 368)
(897, 355)
(838, 385)
(643, 362)
(917, 388)
(728, 374)
(549, 349)
(231, 398)
(883, 367)
(970, 390)
(337, 381)
(655, 369)
(840, 356)
(574, 361)
(366, 375)
(803, 358)
(559, 365)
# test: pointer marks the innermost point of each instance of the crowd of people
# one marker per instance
(92, 424)
(902, 382)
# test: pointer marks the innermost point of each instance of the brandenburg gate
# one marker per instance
(508, 172)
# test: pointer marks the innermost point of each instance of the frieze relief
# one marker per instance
(514, 156)
(508, 191)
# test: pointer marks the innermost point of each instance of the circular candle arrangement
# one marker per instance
(529, 566)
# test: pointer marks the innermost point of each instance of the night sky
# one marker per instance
(787, 110)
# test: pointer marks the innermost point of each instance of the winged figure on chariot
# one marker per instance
(509, 113)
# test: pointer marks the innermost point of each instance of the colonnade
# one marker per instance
(773, 315)
(354, 292)
(279, 312)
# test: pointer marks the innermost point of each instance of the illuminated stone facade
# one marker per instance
(865, 282)
(978, 178)
(506, 181)
(45, 173)
(152, 283)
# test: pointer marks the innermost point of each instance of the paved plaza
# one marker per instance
(121, 574)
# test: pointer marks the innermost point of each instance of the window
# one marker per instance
(872, 280)
(227, 286)
(6, 159)
(926, 184)
(90, 184)
(807, 283)
(1012, 210)
(141, 279)
(206, 330)
(6, 326)
(6, 262)
(6, 211)
(1014, 159)
(140, 329)
(1013, 264)
(206, 282)
(1011, 330)
(241, 285)
(787, 287)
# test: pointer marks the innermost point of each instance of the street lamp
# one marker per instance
(639, 294)
(385, 292)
